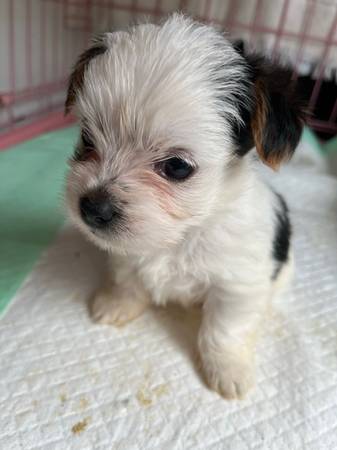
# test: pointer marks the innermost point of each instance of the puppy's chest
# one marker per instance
(174, 278)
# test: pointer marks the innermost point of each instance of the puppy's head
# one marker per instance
(166, 112)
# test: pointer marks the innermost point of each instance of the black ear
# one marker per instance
(77, 75)
(275, 116)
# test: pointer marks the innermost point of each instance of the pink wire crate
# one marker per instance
(40, 40)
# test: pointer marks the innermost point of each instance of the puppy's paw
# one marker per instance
(230, 377)
(107, 310)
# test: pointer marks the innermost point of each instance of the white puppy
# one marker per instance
(163, 179)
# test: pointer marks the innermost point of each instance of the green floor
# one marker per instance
(31, 211)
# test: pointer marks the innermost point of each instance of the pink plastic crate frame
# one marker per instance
(77, 15)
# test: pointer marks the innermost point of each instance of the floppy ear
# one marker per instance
(276, 114)
(77, 75)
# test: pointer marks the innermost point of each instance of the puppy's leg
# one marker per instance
(227, 339)
(122, 298)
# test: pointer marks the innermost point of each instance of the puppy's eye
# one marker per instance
(87, 141)
(86, 151)
(175, 169)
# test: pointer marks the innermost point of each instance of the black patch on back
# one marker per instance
(282, 236)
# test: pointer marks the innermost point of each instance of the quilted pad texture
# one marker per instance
(66, 383)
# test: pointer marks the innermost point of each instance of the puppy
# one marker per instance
(163, 179)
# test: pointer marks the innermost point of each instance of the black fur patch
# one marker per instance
(281, 243)
(242, 132)
(284, 114)
(77, 76)
(239, 46)
(285, 111)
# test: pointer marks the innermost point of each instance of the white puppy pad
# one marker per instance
(66, 383)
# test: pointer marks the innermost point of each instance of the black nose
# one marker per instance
(97, 209)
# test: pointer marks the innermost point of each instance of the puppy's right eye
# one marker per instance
(86, 140)
(86, 150)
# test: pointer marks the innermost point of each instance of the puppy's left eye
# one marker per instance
(175, 169)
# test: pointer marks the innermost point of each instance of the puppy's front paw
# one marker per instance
(232, 377)
(106, 309)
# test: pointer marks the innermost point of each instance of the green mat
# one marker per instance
(31, 185)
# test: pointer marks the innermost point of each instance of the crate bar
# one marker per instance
(280, 26)
(65, 53)
(234, 24)
(256, 18)
(157, 10)
(255, 23)
(70, 2)
(318, 84)
(134, 8)
(333, 115)
(31, 93)
(268, 30)
(56, 42)
(206, 15)
(183, 5)
(229, 19)
(29, 74)
(303, 35)
(88, 22)
(12, 54)
(53, 121)
(76, 22)
(43, 43)
(83, 24)
(321, 125)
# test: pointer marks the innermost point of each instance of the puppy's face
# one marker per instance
(161, 120)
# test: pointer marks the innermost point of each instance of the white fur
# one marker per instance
(208, 239)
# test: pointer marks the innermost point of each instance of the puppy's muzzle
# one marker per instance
(98, 209)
